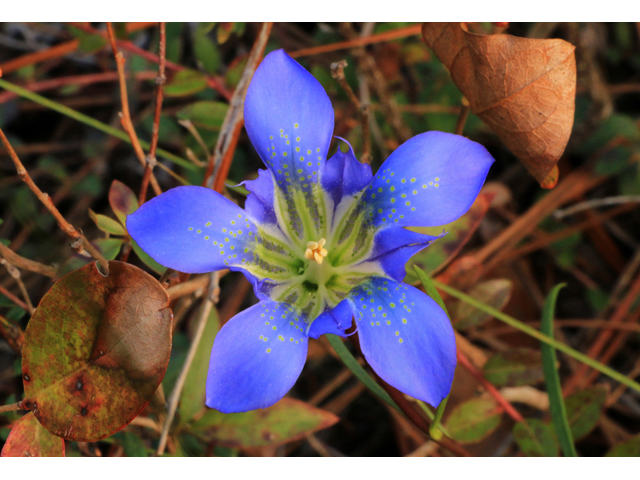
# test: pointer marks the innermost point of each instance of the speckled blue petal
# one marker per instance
(259, 204)
(430, 180)
(335, 320)
(406, 338)
(289, 119)
(256, 358)
(344, 174)
(394, 246)
(193, 230)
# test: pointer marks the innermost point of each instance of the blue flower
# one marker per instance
(321, 242)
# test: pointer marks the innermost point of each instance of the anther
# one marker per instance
(316, 251)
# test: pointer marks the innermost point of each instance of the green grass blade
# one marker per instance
(430, 288)
(552, 378)
(539, 336)
(92, 122)
(360, 373)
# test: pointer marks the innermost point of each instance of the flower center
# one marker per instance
(316, 251)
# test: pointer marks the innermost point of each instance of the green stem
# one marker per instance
(92, 122)
(552, 378)
(435, 430)
(352, 364)
(540, 336)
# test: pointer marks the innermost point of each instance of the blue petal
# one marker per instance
(256, 358)
(431, 179)
(193, 230)
(289, 119)
(406, 338)
(345, 175)
(335, 320)
(259, 202)
(394, 246)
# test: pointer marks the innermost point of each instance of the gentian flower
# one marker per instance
(322, 242)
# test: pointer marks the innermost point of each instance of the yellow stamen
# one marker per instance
(315, 251)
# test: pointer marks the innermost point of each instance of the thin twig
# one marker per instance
(160, 80)
(125, 118)
(24, 263)
(598, 202)
(220, 160)
(493, 391)
(337, 72)
(13, 298)
(361, 41)
(80, 242)
(11, 408)
(462, 118)
(12, 333)
(75, 80)
(188, 124)
(209, 300)
(213, 82)
(15, 274)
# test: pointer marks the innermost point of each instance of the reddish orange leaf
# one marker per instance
(523, 88)
(283, 422)
(95, 351)
(30, 439)
(122, 200)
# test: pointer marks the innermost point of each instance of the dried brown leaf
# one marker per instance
(524, 89)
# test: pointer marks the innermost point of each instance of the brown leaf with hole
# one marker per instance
(523, 88)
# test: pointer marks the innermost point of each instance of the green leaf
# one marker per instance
(132, 444)
(630, 448)
(474, 420)
(352, 364)
(107, 224)
(283, 422)
(89, 42)
(184, 83)
(495, 292)
(28, 438)
(552, 378)
(195, 385)
(122, 200)
(95, 351)
(441, 251)
(512, 368)
(146, 259)
(584, 409)
(206, 52)
(536, 438)
(206, 114)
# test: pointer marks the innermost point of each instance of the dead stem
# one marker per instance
(79, 240)
(125, 116)
(337, 72)
(24, 263)
(220, 160)
(160, 80)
